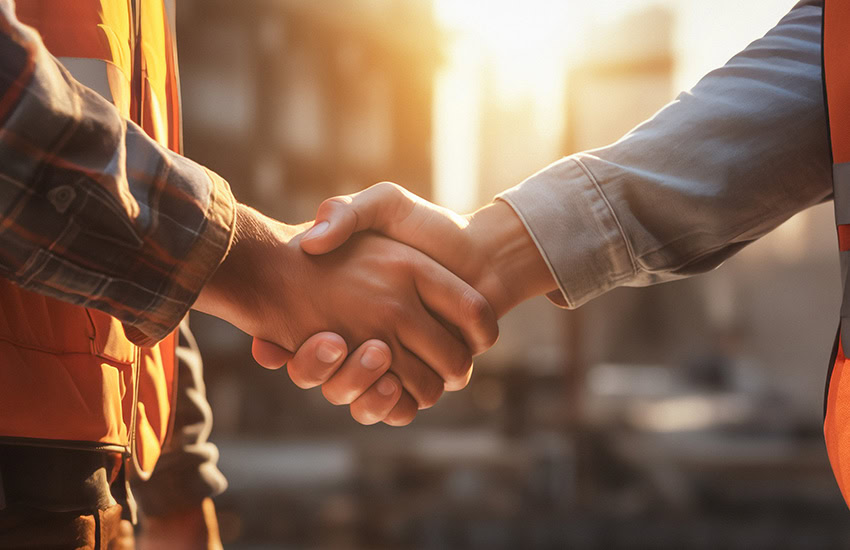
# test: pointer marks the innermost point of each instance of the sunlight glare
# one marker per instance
(525, 43)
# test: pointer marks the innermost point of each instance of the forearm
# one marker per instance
(94, 212)
(233, 290)
(714, 170)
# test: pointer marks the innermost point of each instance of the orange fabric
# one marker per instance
(160, 95)
(156, 386)
(172, 90)
(836, 426)
(68, 373)
(837, 53)
(844, 237)
(94, 29)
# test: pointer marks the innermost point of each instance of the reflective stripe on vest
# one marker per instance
(68, 375)
(836, 69)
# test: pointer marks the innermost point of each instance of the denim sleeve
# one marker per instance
(186, 472)
(717, 168)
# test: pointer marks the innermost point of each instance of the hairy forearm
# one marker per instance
(260, 259)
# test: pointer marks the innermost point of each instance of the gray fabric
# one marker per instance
(186, 472)
(717, 168)
(841, 192)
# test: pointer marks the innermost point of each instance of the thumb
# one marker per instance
(336, 221)
(269, 355)
(380, 208)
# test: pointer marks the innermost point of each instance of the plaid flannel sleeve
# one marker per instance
(92, 210)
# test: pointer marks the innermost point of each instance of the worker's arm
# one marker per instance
(92, 210)
(717, 168)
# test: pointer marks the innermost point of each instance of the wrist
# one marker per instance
(514, 269)
(234, 291)
(216, 296)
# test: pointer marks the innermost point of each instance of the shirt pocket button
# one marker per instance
(61, 197)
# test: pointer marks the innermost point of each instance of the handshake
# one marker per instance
(413, 288)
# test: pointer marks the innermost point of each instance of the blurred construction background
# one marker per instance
(686, 415)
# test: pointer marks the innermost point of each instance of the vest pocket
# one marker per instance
(108, 340)
(42, 323)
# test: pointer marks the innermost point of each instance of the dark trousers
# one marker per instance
(60, 499)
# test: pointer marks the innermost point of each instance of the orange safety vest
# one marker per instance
(836, 69)
(69, 377)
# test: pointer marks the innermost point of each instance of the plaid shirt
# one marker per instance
(92, 210)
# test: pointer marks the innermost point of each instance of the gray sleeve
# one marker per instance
(186, 472)
(714, 170)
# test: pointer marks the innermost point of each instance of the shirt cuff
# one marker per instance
(575, 229)
(195, 269)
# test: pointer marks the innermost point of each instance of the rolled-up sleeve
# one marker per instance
(92, 210)
(714, 170)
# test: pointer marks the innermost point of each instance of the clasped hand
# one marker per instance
(416, 297)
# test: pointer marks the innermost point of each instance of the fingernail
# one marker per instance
(373, 358)
(328, 353)
(316, 230)
(386, 387)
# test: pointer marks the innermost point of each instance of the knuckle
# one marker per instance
(394, 311)
(388, 189)
(401, 263)
(328, 206)
(396, 199)
(339, 200)
(481, 319)
(476, 309)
